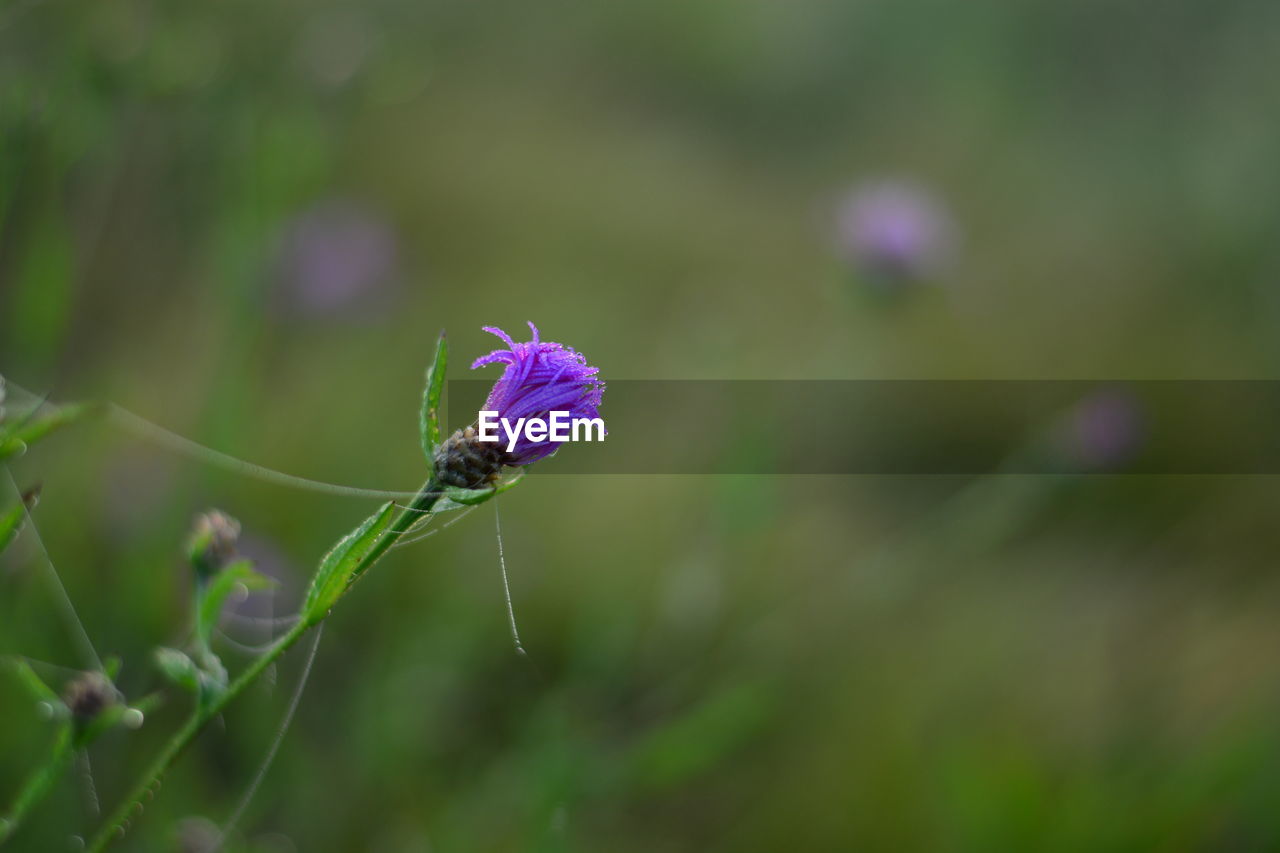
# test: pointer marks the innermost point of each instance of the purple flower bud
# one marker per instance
(894, 231)
(212, 544)
(540, 377)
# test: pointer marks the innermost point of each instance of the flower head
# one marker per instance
(894, 231)
(212, 544)
(89, 695)
(540, 377)
(1107, 430)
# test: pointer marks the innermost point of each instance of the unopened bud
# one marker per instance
(213, 541)
(463, 460)
(89, 695)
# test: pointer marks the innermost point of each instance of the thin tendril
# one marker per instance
(68, 609)
(144, 428)
(506, 587)
(420, 524)
(269, 621)
(414, 540)
(275, 743)
(151, 431)
(36, 662)
(433, 531)
(244, 648)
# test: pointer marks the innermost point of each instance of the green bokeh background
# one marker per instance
(715, 663)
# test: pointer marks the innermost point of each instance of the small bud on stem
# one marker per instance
(88, 696)
(213, 542)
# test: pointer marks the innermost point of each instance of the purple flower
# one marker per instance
(1107, 430)
(336, 257)
(894, 231)
(540, 377)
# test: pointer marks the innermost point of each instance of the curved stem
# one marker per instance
(117, 823)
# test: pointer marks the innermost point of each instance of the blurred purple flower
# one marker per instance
(540, 377)
(894, 231)
(335, 256)
(1106, 429)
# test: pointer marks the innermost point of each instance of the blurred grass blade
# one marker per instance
(41, 781)
(342, 565)
(13, 518)
(34, 684)
(43, 281)
(212, 598)
(35, 427)
(429, 417)
(697, 742)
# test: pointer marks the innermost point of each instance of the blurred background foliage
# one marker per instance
(247, 222)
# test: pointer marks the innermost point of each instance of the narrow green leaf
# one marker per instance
(40, 781)
(12, 519)
(31, 429)
(179, 669)
(27, 676)
(429, 417)
(211, 598)
(342, 565)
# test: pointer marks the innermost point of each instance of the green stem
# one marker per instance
(39, 782)
(116, 825)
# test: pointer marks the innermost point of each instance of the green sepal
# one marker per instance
(342, 565)
(212, 678)
(178, 668)
(457, 498)
(206, 680)
(429, 416)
